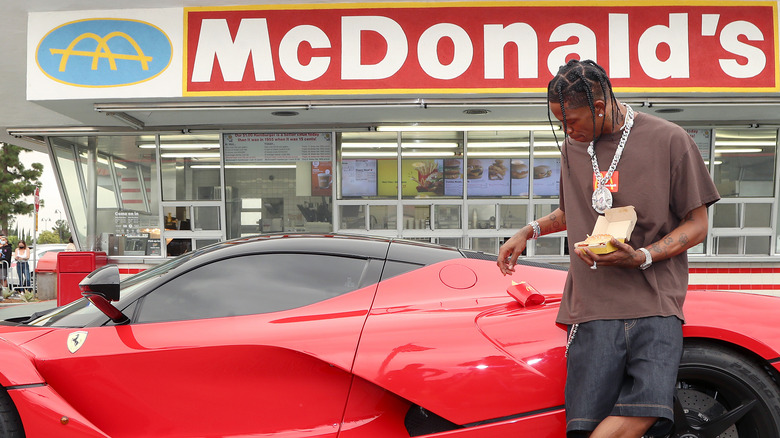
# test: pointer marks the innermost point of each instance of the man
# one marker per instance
(5, 260)
(623, 309)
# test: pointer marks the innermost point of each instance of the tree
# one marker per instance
(16, 183)
(62, 230)
(48, 236)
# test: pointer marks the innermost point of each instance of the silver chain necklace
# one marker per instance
(602, 197)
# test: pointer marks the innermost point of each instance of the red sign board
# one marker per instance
(37, 198)
(503, 47)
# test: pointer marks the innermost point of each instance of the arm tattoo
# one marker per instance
(656, 247)
(557, 224)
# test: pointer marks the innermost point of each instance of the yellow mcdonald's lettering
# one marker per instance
(102, 51)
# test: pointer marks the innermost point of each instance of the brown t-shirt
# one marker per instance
(662, 174)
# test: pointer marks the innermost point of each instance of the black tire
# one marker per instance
(724, 394)
(10, 422)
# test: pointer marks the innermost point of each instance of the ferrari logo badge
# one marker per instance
(76, 340)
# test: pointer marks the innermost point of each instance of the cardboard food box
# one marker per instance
(617, 222)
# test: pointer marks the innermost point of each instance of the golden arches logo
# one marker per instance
(102, 51)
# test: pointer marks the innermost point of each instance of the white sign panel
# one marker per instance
(294, 146)
(118, 53)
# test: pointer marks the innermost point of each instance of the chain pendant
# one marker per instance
(602, 199)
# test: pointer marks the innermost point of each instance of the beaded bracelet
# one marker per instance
(537, 230)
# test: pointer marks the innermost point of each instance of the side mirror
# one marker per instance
(103, 281)
(101, 287)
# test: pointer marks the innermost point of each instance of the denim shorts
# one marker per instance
(623, 368)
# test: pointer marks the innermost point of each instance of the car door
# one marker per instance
(269, 351)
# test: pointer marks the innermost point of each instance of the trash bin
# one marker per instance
(72, 267)
(46, 276)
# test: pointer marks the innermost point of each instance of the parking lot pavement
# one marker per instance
(15, 310)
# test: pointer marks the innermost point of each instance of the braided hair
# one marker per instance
(581, 83)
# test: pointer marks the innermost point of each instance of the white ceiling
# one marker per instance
(17, 112)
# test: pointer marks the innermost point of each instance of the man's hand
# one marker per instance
(691, 231)
(511, 250)
(624, 257)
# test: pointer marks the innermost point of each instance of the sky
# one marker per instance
(53, 210)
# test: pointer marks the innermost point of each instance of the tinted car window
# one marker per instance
(253, 284)
(394, 268)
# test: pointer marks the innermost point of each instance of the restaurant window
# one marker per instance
(498, 164)
(431, 164)
(744, 171)
(513, 216)
(191, 190)
(367, 165)
(417, 217)
(278, 182)
(382, 217)
(745, 162)
(546, 172)
(447, 217)
(484, 244)
(190, 167)
(110, 186)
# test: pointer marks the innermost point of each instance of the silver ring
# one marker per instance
(594, 267)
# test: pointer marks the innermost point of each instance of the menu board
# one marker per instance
(321, 178)
(702, 138)
(547, 176)
(453, 177)
(488, 177)
(422, 178)
(492, 177)
(519, 172)
(358, 178)
(387, 178)
(259, 147)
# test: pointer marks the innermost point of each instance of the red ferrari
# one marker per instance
(350, 337)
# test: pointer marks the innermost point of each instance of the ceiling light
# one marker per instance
(744, 143)
(498, 154)
(442, 145)
(190, 155)
(500, 144)
(437, 128)
(369, 145)
(429, 154)
(737, 150)
(180, 145)
(369, 154)
(245, 166)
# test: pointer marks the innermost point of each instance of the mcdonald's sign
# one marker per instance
(104, 52)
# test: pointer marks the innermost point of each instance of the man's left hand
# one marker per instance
(624, 257)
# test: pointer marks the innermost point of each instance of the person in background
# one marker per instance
(22, 255)
(71, 246)
(5, 260)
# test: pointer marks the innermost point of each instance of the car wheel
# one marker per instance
(10, 423)
(723, 394)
